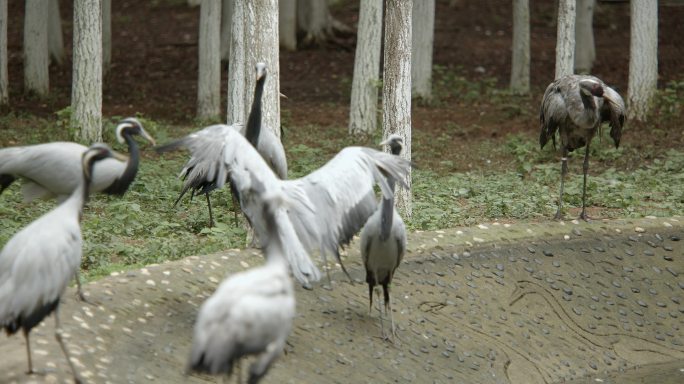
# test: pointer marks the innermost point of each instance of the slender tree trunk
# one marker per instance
(4, 78)
(226, 28)
(423, 36)
(209, 82)
(585, 51)
(106, 35)
(86, 90)
(236, 66)
(643, 58)
(55, 40)
(261, 38)
(363, 111)
(288, 24)
(313, 17)
(520, 64)
(396, 90)
(565, 39)
(36, 74)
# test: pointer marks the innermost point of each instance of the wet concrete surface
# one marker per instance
(496, 303)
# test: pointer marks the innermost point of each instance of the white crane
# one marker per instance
(38, 262)
(54, 169)
(327, 207)
(575, 106)
(383, 242)
(251, 312)
(263, 139)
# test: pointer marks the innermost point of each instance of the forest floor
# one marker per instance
(471, 127)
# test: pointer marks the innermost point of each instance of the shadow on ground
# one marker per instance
(519, 303)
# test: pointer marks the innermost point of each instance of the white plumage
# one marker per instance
(326, 207)
(54, 169)
(38, 262)
(251, 312)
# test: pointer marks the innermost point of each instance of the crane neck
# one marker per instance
(79, 197)
(254, 120)
(121, 184)
(387, 212)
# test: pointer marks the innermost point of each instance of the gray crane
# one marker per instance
(264, 140)
(575, 106)
(383, 242)
(38, 262)
(327, 207)
(54, 169)
(251, 312)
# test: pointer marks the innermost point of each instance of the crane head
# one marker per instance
(395, 142)
(95, 153)
(132, 126)
(260, 70)
(591, 87)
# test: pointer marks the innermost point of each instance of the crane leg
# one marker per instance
(58, 336)
(564, 171)
(236, 205)
(28, 352)
(585, 170)
(211, 216)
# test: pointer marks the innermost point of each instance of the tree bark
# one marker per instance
(396, 90)
(423, 36)
(86, 90)
(363, 111)
(288, 24)
(520, 63)
(106, 35)
(643, 58)
(585, 51)
(226, 28)
(4, 78)
(55, 39)
(209, 74)
(236, 66)
(262, 42)
(313, 17)
(36, 74)
(565, 38)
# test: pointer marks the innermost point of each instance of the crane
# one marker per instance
(383, 242)
(251, 312)
(328, 206)
(575, 106)
(54, 169)
(38, 262)
(265, 141)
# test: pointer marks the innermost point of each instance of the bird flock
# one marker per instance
(251, 312)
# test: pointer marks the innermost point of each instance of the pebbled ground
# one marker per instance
(498, 303)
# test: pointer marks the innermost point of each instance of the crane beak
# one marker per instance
(147, 137)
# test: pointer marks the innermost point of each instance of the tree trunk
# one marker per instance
(236, 66)
(209, 75)
(55, 40)
(520, 63)
(36, 74)
(106, 35)
(313, 17)
(585, 51)
(363, 111)
(4, 78)
(396, 89)
(262, 42)
(643, 58)
(288, 24)
(565, 38)
(421, 55)
(86, 90)
(226, 28)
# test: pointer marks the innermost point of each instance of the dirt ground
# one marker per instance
(496, 303)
